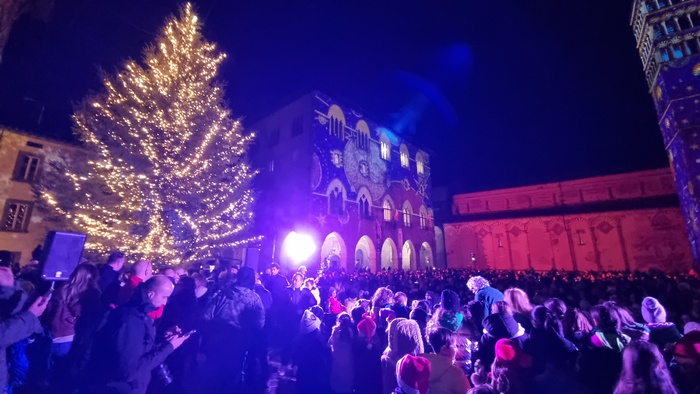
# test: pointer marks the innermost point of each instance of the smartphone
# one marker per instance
(48, 294)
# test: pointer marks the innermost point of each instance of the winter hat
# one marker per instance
(317, 310)
(449, 300)
(309, 322)
(413, 374)
(653, 311)
(367, 328)
(404, 338)
(508, 351)
(688, 347)
(476, 283)
(451, 320)
(419, 315)
(246, 278)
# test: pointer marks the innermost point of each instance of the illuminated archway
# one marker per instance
(426, 256)
(408, 256)
(390, 254)
(333, 251)
(365, 254)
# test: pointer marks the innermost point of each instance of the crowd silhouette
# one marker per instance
(223, 328)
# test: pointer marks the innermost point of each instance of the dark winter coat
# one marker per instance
(401, 310)
(488, 296)
(663, 334)
(124, 351)
(109, 284)
(277, 284)
(264, 295)
(300, 299)
(237, 306)
(498, 326)
(14, 324)
(312, 356)
(14, 329)
(108, 277)
(367, 365)
(547, 347)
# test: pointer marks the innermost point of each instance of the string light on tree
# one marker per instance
(165, 175)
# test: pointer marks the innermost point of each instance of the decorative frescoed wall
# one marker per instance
(370, 192)
(573, 225)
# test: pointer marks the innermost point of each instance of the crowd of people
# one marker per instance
(221, 327)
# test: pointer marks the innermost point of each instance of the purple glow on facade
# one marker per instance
(326, 176)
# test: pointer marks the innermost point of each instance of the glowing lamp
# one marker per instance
(299, 247)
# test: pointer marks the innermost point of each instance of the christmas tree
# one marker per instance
(164, 174)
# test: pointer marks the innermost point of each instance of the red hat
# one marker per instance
(688, 347)
(367, 327)
(413, 374)
(509, 351)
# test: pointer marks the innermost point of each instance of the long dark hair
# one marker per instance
(345, 326)
(82, 279)
(644, 371)
(607, 320)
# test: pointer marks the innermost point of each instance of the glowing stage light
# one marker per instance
(299, 247)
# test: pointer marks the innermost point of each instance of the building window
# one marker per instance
(407, 213)
(420, 164)
(364, 207)
(297, 126)
(26, 167)
(386, 150)
(423, 217)
(387, 210)
(271, 166)
(336, 200)
(404, 156)
(337, 128)
(275, 137)
(16, 215)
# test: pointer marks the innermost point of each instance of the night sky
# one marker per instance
(554, 90)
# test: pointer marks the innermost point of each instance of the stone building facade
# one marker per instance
(361, 191)
(619, 222)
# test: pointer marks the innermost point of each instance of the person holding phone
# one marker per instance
(14, 328)
(125, 346)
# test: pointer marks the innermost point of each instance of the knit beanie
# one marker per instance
(367, 328)
(309, 322)
(451, 320)
(413, 374)
(653, 311)
(508, 351)
(450, 300)
(404, 338)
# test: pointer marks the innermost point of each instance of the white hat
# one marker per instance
(309, 322)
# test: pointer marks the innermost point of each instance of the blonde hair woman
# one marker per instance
(519, 302)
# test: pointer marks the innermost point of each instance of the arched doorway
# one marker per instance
(439, 248)
(426, 256)
(390, 254)
(408, 256)
(365, 254)
(333, 251)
